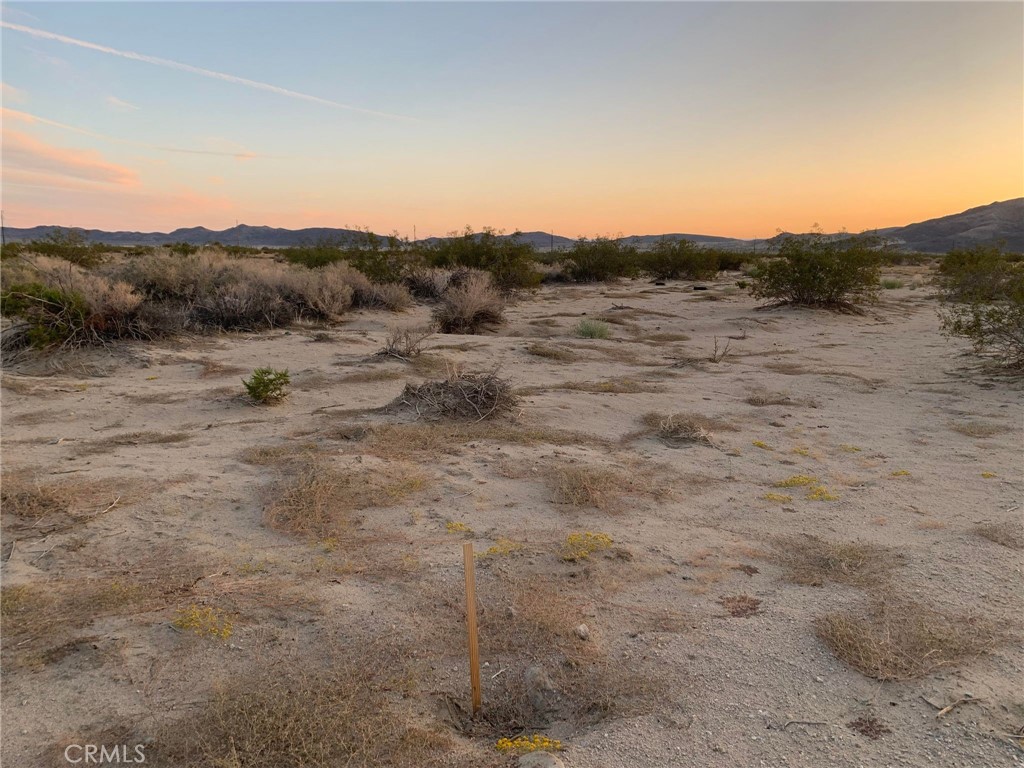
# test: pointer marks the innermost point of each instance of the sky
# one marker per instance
(582, 118)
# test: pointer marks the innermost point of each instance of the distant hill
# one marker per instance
(1001, 222)
(987, 224)
(243, 234)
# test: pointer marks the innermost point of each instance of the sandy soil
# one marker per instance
(877, 410)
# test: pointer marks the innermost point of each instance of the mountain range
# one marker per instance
(996, 223)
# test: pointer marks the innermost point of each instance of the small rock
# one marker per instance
(583, 632)
(540, 760)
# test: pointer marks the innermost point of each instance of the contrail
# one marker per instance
(44, 35)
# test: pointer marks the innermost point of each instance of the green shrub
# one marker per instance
(70, 308)
(819, 271)
(732, 261)
(510, 261)
(891, 284)
(982, 290)
(599, 260)
(675, 259)
(267, 386)
(979, 274)
(592, 329)
(182, 249)
(69, 245)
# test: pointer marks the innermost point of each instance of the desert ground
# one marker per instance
(807, 566)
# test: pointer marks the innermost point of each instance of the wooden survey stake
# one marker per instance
(474, 646)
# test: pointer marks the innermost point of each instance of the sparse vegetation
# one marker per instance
(683, 428)
(675, 259)
(898, 639)
(812, 561)
(267, 386)
(592, 329)
(561, 354)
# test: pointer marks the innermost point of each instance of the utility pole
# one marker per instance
(414, 234)
(3, 232)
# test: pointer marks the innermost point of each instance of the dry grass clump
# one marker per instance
(596, 487)
(277, 455)
(405, 343)
(561, 354)
(1008, 534)
(472, 307)
(811, 561)
(318, 500)
(603, 487)
(684, 428)
(26, 497)
(42, 620)
(979, 428)
(740, 606)
(898, 639)
(460, 396)
(292, 714)
(764, 398)
(39, 508)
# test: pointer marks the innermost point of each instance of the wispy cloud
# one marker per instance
(120, 104)
(10, 93)
(27, 153)
(160, 62)
(26, 117)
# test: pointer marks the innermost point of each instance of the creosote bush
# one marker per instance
(267, 386)
(982, 291)
(675, 259)
(820, 271)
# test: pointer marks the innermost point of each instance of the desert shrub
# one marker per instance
(600, 259)
(732, 261)
(182, 249)
(69, 245)
(267, 386)
(819, 271)
(429, 283)
(393, 297)
(64, 305)
(460, 396)
(675, 259)
(982, 291)
(240, 307)
(472, 307)
(405, 343)
(891, 284)
(319, 253)
(592, 329)
(509, 260)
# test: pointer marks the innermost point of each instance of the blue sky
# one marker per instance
(724, 118)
